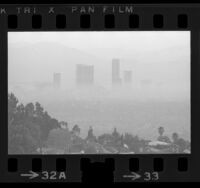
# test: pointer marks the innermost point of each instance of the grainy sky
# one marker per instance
(159, 61)
(141, 40)
(158, 57)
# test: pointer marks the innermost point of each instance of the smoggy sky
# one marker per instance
(161, 57)
(141, 40)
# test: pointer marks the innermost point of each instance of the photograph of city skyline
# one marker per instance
(99, 92)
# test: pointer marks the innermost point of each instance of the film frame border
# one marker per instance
(173, 164)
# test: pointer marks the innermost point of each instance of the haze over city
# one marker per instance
(138, 79)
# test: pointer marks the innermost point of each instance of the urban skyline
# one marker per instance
(85, 75)
(133, 81)
(45, 54)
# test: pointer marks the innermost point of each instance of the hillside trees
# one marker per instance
(28, 126)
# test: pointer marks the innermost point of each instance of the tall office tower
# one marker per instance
(128, 76)
(56, 80)
(84, 74)
(116, 72)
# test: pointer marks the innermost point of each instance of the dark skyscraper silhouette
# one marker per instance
(116, 72)
(84, 74)
(128, 76)
(56, 80)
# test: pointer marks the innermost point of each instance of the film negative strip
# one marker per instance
(99, 92)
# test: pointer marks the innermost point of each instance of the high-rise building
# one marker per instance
(116, 71)
(56, 80)
(128, 76)
(84, 74)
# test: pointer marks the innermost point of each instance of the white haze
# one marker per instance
(160, 89)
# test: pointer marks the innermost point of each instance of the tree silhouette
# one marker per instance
(161, 131)
(29, 110)
(22, 133)
(12, 106)
(76, 130)
(180, 142)
(175, 137)
(161, 137)
(91, 137)
(38, 110)
(28, 126)
(115, 134)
